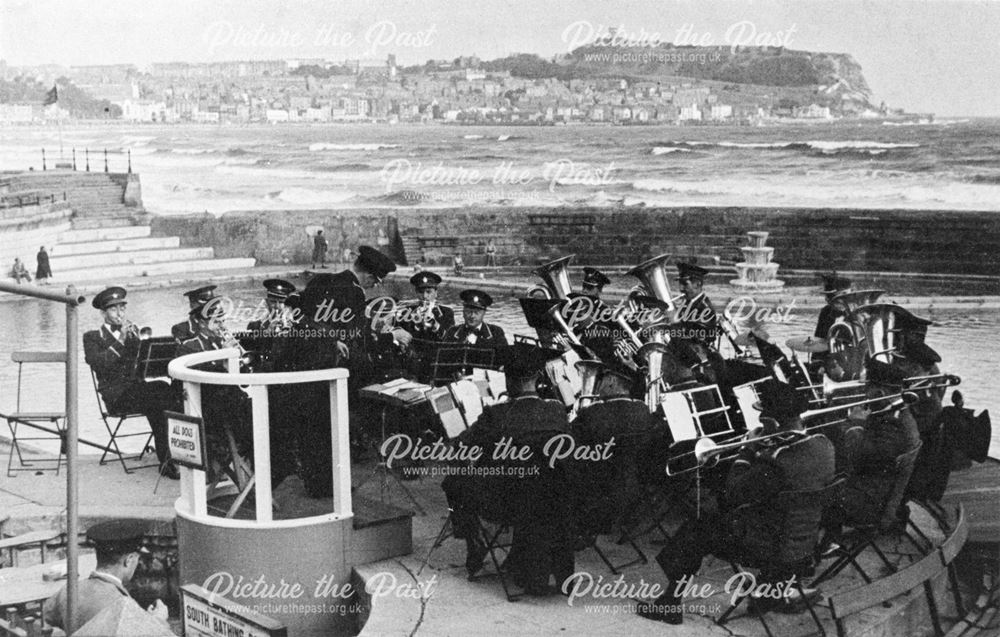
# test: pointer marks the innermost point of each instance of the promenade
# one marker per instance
(452, 605)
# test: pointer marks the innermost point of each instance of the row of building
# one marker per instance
(270, 91)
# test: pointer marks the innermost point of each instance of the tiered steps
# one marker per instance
(123, 252)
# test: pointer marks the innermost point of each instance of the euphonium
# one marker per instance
(653, 275)
(556, 313)
(555, 275)
(589, 371)
(652, 353)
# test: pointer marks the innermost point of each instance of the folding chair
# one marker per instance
(867, 532)
(493, 534)
(51, 423)
(802, 511)
(115, 434)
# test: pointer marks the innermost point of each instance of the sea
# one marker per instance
(943, 165)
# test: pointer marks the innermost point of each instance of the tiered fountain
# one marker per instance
(757, 272)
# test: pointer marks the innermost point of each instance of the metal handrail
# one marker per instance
(72, 301)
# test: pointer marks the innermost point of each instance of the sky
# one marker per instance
(940, 56)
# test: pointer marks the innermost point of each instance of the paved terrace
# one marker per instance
(453, 605)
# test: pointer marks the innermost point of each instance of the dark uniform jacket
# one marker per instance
(202, 342)
(113, 362)
(182, 331)
(870, 452)
(755, 516)
(487, 336)
(540, 490)
(609, 488)
(417, 325)
(828, 315)
(697, 321)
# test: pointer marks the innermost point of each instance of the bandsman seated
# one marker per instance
(225, 408)
(530, 495)
(112, 352)
(474, 330)
(750, 524)
(872, 442)
(185, 329)
(610, 487)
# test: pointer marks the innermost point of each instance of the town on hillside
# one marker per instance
(466, 90)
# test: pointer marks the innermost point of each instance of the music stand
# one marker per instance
(155, 354)
(458, 358)
(402, 394)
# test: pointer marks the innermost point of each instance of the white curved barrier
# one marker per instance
(193, 501)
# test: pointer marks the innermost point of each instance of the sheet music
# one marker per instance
(467, 394)
(679, 419)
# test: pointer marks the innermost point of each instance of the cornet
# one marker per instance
(128, 327)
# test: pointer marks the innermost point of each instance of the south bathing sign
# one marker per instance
(208, 615)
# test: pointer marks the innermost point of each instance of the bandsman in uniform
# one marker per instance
(696, 315)
(427, 319)
(611, 488)
(112, 353)
(750, 523)
(474, 330)
(531, 496)
(344, 312)
(224, 407)
(184, 330)
(277, 319)
(832, 286)
(871, 444)
(593, 282)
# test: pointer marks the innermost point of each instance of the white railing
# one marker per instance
(193, 501)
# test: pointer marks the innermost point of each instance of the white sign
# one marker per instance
(186, 440)
(208, 615)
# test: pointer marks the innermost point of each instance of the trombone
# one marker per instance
(831, 388)
(706, 449)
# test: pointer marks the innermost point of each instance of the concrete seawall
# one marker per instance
(818, 239)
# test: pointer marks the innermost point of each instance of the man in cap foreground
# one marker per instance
(530, 495)
(119, 547)
(751, 526)
(112, 353)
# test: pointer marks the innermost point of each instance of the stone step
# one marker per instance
(120, 272)
(99, 260)
(103, 234)
(84, 223)
(118, 245)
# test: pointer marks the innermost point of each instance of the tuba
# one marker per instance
(555, 276)
(850, 331)
(653, 276)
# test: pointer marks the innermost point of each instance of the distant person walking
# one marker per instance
(43, 270)
(319, 250)
(19, 271)
(491, 254)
